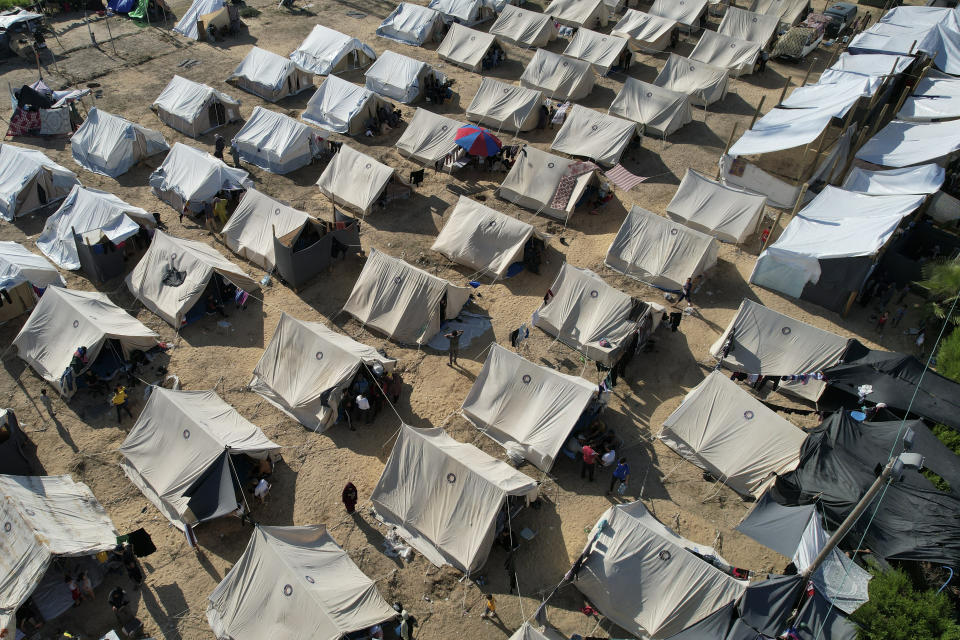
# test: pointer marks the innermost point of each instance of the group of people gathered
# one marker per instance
(385, 120)
(368, 395)
(435, 91)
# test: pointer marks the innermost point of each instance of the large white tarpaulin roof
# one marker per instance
(295, 583)
(429, 137)
(686, 12)
(444, 496)
(187, 99)
(579, 13)
(704, 83)
(18, 265)
(505, 106)
(748, 25)
(403, 301)
(932, 99)
(177, 454)
(599, 49)
(834, 97)
(728, 213)
(23, 170)
(660, 111)
(482, 238)
(410, 24)
(194, 262)
(724, 430)
(187, 24)
(325, 50)
(596, 135)
(587, 314)
(737, 56)
(65, 320)
(521, 404)
(658, 251)
(782, 129)
(558, 76)
(901, 144)
(644, 30)
(901, 39)
(787, 11)
(196, 176)
(93, 215)
(397, 76)
(524, 27)
(44, 517)
(534, 178)
(275, 141)
(767, 342)
(341, 106)
(307, 367)
(265, 68)
(925, 178)
(647, 579)
(111, 145)
(254, 224)
(465, 46)
(354, 178)
(874, 67)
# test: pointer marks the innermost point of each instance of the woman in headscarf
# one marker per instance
(349, 497)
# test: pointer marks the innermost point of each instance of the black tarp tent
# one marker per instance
(17, 452)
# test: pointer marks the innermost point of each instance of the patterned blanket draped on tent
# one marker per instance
(569, 181)
(622, 178)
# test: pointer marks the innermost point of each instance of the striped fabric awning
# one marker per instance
(622, 178)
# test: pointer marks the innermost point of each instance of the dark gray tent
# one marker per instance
(818, 620)
(17, 452)
(775, 526)
(767, 605)
(306, 251)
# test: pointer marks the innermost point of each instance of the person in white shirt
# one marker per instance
(262, 489)
(363, 405)
(608, 458)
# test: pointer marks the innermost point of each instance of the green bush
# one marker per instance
(948, 356)
(897, 611)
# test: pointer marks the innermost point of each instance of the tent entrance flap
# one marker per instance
(213, 493)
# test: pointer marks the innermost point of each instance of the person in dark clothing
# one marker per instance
(510, 565)
(543, 117)
(118, 600)
(349, 498)
(685, 292)
(235, 154)
(218, 145)
(213, 306)
(454, 348)
(674, 37)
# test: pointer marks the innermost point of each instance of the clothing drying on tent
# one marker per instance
(38, 110)
(343, 107)
(748, 25)
(686, 12)
(404, 302)
(597, 136)
(20, 272)
(448, 500)
(646, 578)
(768, 343)
(592, 14)
(660, 111)
(193, 108)
(545, 183)
(660, 252)
(29, 181)
(645, 32)
(526, 407)
(410, 24)
(585, 313)
(355, 179)
(466, 12)
(735, 55)
(176, 278)
(727, 213)
(85, 231)
(704, 83)
(63, 322)
(295, 583)
(558, 76)
(190, 452)
(111, 145)
(307, 369)
(270, 75)
(325, 51)
(466, 47)
(902, 144)
(187, 24)
(276, 142)
(47, 519)
(727, 432)
(399, 77)
(925, 178)
(429, 137)
(505, 107)
(189, 175)
(523, 27)
(599, 49)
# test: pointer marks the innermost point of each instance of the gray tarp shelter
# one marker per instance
(646, 32)
(686, 12)
(20, 271)
(325, 51)
(748, 25)
(727, 213)
(592, 14)
(411, 24)
(190, 175)
(443, 496)
(598, 136)
(465, 47)
(599, 49)
(399, 77)
(254, 224)
(504, 106)
(270, 75)
(276, 142)
(736, 55)
(660, 111)
(193, 108)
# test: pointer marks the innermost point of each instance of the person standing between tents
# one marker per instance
(349, 498)
(120, 402)
(491, 607)
(620, 474)
(882, 321)
(454, 348)
(404, 626)
(589, 462)
(46, 402)
(220, 209)
(235, 154)
(218, 145)
(685, 292)
(208, 217)
(363, 406)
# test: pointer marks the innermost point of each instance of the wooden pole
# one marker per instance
(876, 123)
(756, 114)
(807, 173)
(783, 94)
(809, 71)
(853, 152)
(793, 214)
(733, 132)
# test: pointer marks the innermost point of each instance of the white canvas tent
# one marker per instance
(254, 224)
(686, 12)
(92, 215)
(529, 632)
(410, 24)
(44, 517)
(786, 11)
(179, 454)
(190, 175)
(443, 496)
(524, 27)
(783, 129)
(932, 99)
(19, 265)
(355, 179)
(482, 238)
(599, 49)
(276, 142)
(526, 407)
(534, 178)
(307, 368)
(558, 76)
(465, 47)
(725, 212)
(589, 315)
(661, 111)
(295, 583)
(924, 178)
(29, 180)
(466, 12)
(65, 320)
(649, 580)
(193, 108)
(174, 274)
(902, 144)
(505, 106)
(396, 76)
(735, 55)
(404, 302)
(595, 135)
(748, 25)
(187, 24)
(724, 430)
(659, 252)
(325, 51)
(766, 342)
(270, 75)
(704, 83)
(871, 68)
(428, 137)
(111, 145)
(645, 32)
(592, 14)
(342, 107)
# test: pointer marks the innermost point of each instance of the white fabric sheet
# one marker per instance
(18, 265)
(902, 144)
(925, 178)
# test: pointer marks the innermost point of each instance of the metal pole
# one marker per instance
(110, 35)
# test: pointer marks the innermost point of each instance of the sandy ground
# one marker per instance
(315, 467)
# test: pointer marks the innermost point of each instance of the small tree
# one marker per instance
(948, 356)
(942, 280)
(897, 611)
